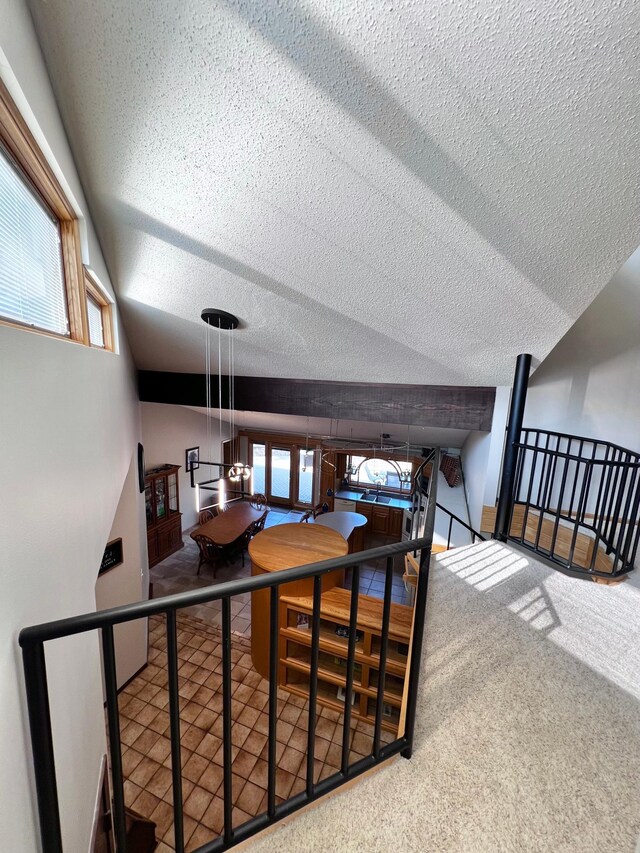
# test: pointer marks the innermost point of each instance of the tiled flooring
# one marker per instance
(146, 745)
(145, 718)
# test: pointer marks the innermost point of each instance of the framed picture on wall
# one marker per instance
(192, 457)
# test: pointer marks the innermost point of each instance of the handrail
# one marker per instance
(33, 638)
(474, 533)
(577, 458)
(128, 612)
(583, 438)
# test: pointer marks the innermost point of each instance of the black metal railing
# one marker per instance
(33, 639)
(575, 501)
(454, 519)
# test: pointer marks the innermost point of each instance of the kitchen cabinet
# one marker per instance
(395, 522)
(380, 520)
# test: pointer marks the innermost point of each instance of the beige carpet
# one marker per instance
(528, 735)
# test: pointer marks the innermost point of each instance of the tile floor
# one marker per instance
(146, 745)
(145, 717)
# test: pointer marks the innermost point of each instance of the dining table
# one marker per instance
(230, 525)
(286, 546)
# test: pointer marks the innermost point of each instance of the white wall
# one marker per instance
(481, 456)
(128, 582)
(589, 384)
(167, 431)
(69, 424)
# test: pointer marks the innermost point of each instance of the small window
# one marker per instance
(32, 285)
(98, 315)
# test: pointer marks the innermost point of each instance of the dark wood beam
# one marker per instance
(446, 406)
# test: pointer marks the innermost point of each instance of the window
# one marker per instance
(258, 463)
(374, 471)
(98, 315)
(305, 475)
(32, 287)
(42, 283)
(280, 473)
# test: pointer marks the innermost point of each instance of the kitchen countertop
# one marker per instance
(348, 495)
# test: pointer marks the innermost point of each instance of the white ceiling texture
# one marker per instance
(403, 192)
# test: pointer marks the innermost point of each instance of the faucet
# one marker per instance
(377, 489)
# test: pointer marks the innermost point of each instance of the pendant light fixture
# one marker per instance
(405, 476)
(234, 471)
(223, 321)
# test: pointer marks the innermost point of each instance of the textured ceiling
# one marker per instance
(382, 191)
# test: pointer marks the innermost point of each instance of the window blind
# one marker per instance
(94, 313)
(32, 289)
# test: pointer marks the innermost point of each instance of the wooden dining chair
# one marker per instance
(258, 525)
(210, 553)
(259, 501)
(207, 515)
(307, 516)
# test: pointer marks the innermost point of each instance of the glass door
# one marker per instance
(305, 476)
(280, 479)
(259, 465)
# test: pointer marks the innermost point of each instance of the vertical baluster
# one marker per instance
(351, 654)
(579, 511)
(602, 466)
(115, 751)
(313, 682)
(35, 677)
(226, 720)
(556, 523)
(273, 700)
(544, 499)
(449, 535)
(174, 725)
(384, 643)
(625, 520)
(575, 480)
(532, 475)
(610, 521)
(634, 527)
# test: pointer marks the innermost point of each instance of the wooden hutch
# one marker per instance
(162, 507)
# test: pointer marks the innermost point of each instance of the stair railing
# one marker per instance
(33, 640)
(574, 499)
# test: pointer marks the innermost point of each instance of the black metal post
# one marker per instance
(226, 720)
(514, 428)
(174, 723)
(35, 676)
(273, 701)
(351, 656)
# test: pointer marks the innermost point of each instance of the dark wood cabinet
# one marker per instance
(380, 520)
(395, 522)
(162, 507)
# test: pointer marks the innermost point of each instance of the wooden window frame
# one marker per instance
(21, 145)
(93, 291)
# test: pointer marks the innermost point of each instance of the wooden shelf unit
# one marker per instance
(295, 653)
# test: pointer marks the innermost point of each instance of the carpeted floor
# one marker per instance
(528, 734)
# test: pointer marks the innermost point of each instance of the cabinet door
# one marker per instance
(161, 498)
(380, 520)
(365, 509)
(395, 522)
(152, 547)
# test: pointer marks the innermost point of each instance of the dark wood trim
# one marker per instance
(443, 406)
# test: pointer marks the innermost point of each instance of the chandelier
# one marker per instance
(234, 471)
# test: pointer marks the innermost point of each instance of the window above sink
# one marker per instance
(379, 473)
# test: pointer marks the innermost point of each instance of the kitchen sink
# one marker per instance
(373, 499)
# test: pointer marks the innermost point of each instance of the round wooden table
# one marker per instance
(286, 546)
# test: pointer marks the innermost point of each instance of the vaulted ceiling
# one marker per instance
(404, 192)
